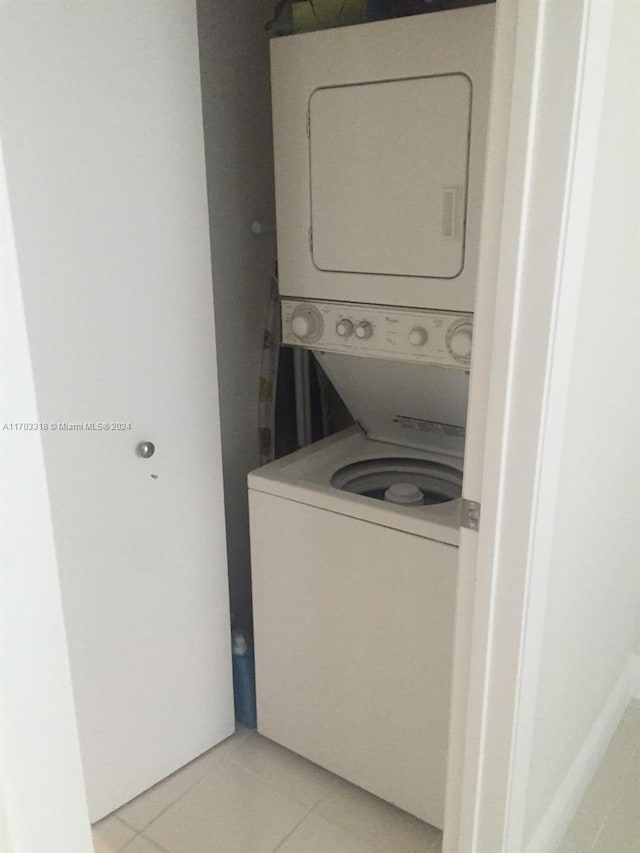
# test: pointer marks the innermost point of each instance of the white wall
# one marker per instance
(234, 63)
(42, 800)
(592, 604)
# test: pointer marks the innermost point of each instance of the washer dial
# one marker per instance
(364, 330)
(307, 323)
(459, 340)
(418, 336)
(344, 328)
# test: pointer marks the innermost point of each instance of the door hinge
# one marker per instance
(311, 241)
(308, 123)
(469, 514)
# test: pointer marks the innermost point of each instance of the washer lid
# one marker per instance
(413, 405)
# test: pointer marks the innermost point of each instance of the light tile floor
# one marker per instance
(249, 795)
(608, 819)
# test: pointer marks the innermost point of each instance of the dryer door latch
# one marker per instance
(469, 514)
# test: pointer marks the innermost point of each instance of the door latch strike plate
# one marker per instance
(469, 514)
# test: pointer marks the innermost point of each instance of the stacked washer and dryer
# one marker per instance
(379, 139)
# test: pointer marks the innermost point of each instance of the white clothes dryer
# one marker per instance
(379, 146)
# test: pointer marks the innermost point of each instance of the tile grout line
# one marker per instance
(232, 758)
(279, 790)
(313, 808)
(228, 759)
(601, 823)
(139, 834)
(155, 843)
(179, 797)
(266, 781)
(434, 847)
(115, 816)
(290, 833)
(173, 802)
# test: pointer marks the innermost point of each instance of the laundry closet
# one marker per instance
(342, 552)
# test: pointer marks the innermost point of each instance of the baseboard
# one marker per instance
(635, 677)
(559, 815)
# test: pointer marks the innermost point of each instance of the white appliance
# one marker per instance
(379, 143)
(354, 614)
(379, 134)
(353, 593)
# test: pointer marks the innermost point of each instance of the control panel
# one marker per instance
(433, 337)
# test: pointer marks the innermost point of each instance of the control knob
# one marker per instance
(459, 341)
(418, 336)
(344, 328)
(364, 330)
(306, 323)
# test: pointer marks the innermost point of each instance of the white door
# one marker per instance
(101, 126)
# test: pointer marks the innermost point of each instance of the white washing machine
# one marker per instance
(354, 555)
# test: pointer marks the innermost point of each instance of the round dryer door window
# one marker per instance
(401, 481)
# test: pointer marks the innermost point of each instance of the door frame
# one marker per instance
(540, 174)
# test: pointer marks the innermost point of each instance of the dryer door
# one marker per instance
(388, 165)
